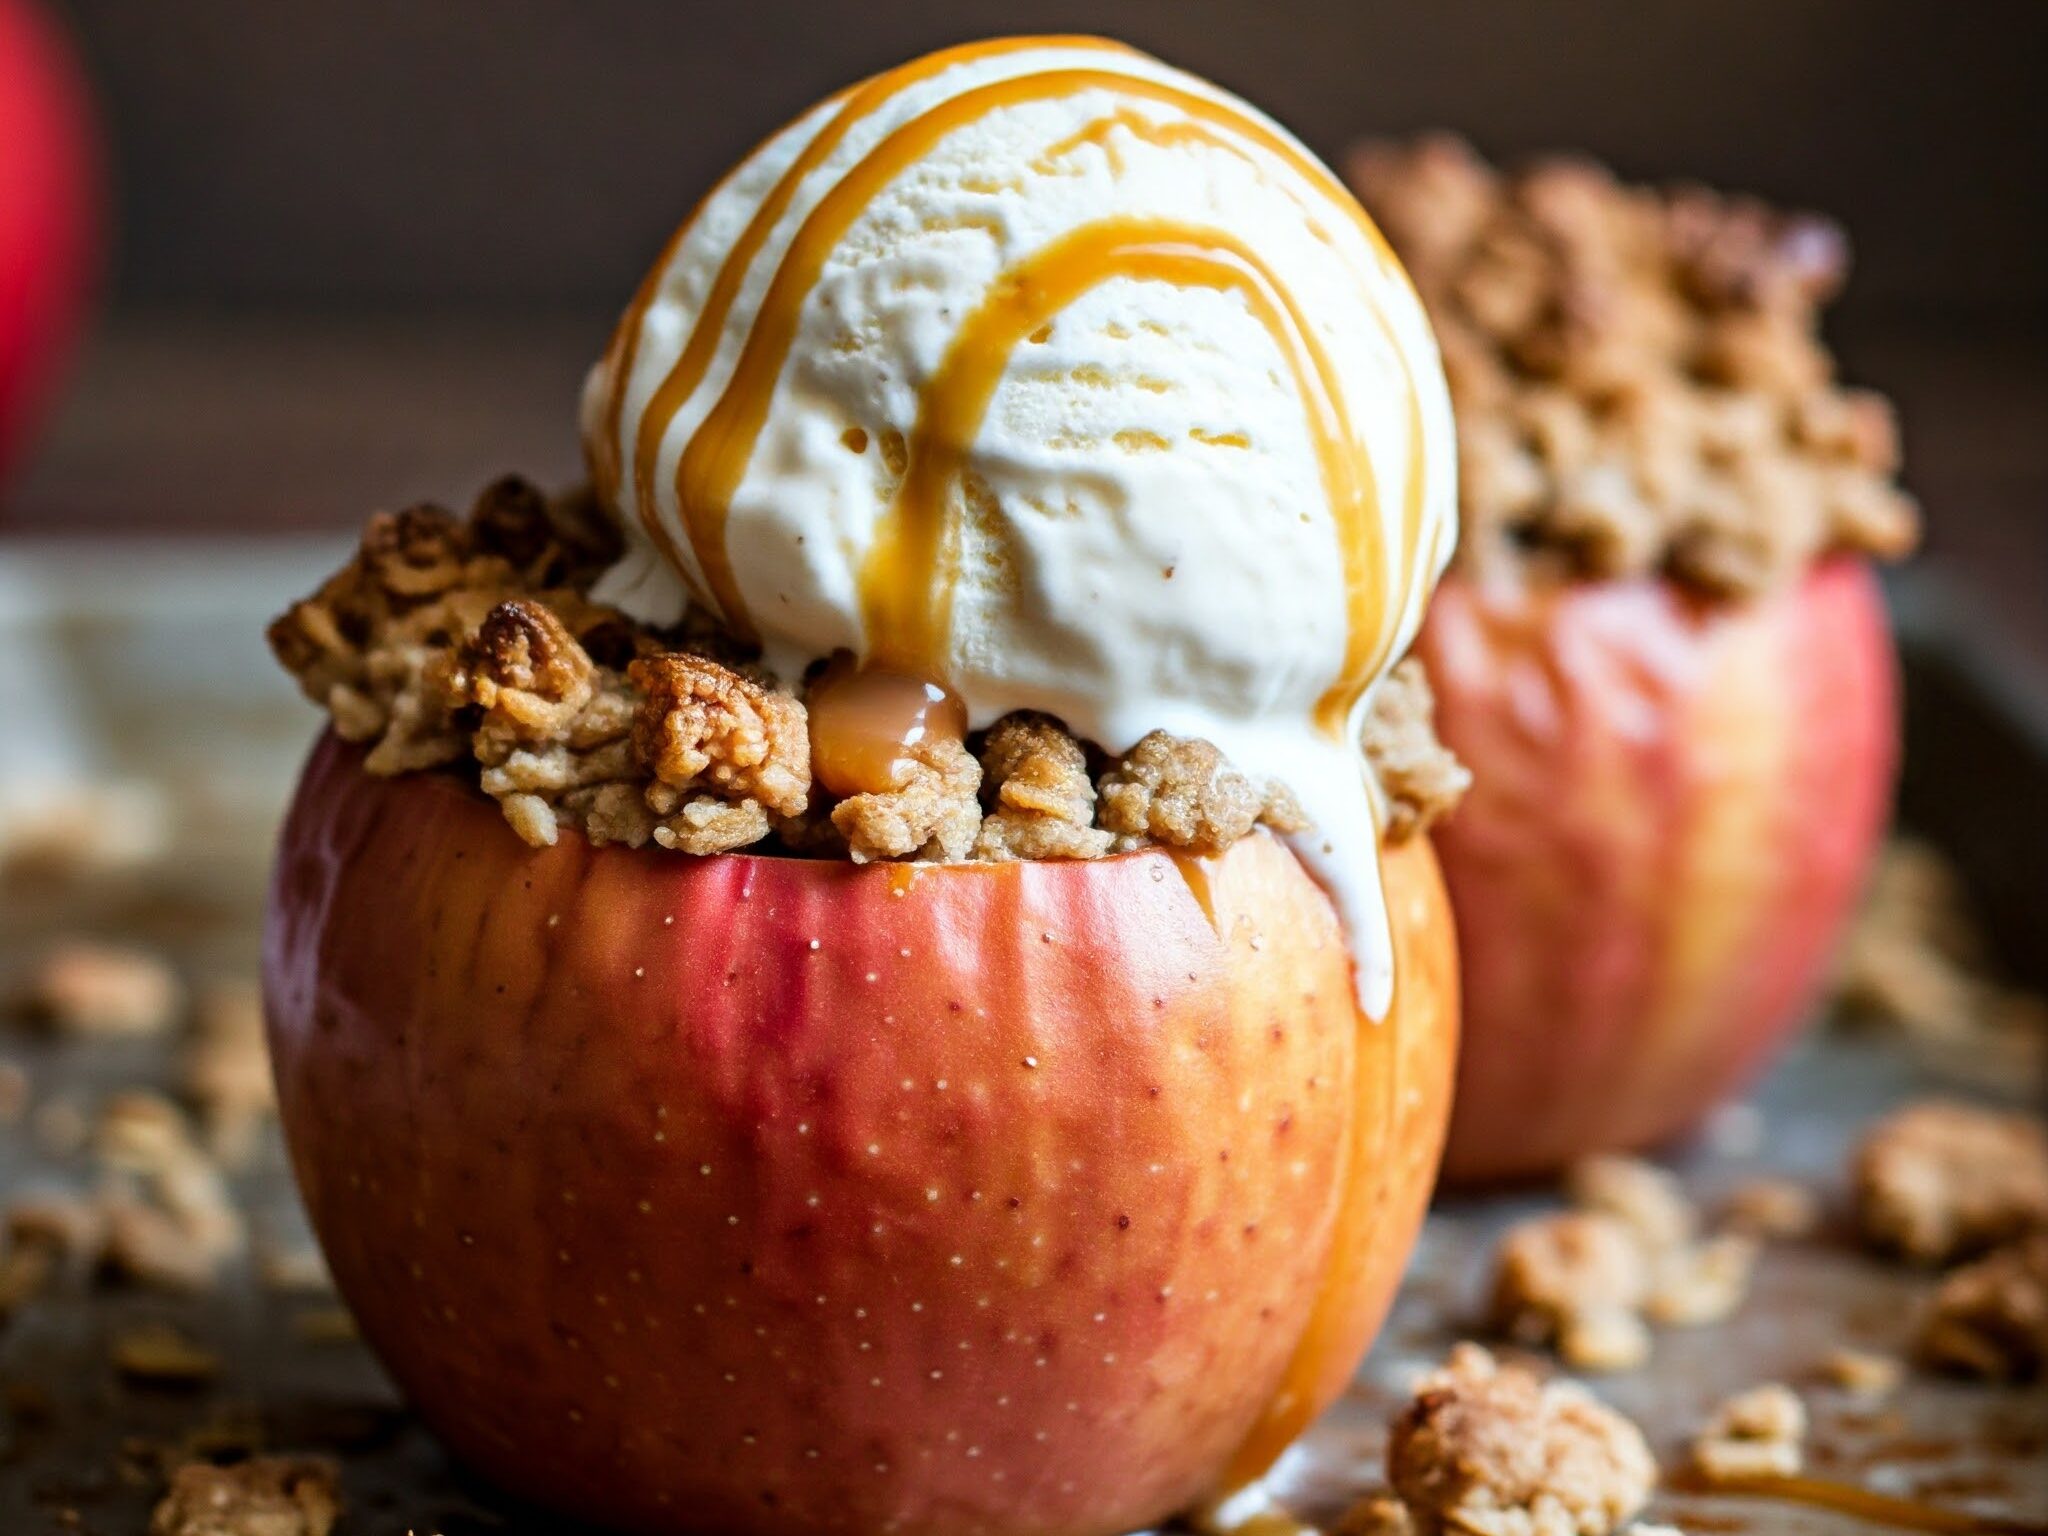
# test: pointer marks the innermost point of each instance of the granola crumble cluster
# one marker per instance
(1637, 374)
(1590, 1280)
(1942, 1180)
(447, 641)
(1491, 1450)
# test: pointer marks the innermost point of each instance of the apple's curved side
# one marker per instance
(49, 212)
(1674, 805)
(751, 1194)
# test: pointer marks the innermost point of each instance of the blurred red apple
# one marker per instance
(1674, 804)
(48, 213)
(756, 1194)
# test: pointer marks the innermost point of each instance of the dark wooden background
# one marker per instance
(365, 247)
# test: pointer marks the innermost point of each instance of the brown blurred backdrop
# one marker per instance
(365, 247)
(534, 152)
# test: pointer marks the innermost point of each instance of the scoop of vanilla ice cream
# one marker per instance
(1068, 380)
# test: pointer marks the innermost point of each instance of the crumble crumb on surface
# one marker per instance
(1648, 1199)
(227, 1069)
(1586, 1281)
(1703, 1282)
(447, 641)
(1771, 1208)
(1490, 1450)
(83, 987)
(1941, 1180)
(1575, 1279)
(262, 1496)
(1990, 1318)
(1637, 373)
(1757, 1433)
(1861, 1372)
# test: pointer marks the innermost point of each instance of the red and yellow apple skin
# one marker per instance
(783, 1196)
(49, 212)
(1674, 804)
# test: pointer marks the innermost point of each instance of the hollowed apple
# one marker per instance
(1674, 803)
(754, 1194)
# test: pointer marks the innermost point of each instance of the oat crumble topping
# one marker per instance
(1941, 1180)
(262, 1496)
(447, 642)
(1754, 1434)
(1637, 373)
(1990, 1318)
(1490, 1450)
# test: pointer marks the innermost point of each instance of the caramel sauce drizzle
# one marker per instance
(1865, 1504)
(674, 391)
(908, 578)
(866, 724)
(715, 459)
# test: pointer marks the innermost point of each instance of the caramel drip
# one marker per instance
(866, 726)
(1880, 1508)
(1195, 873)
(907, 579)
(861, 101)
(715, 460)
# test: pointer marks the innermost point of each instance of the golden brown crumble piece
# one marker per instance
(1754, 1434)
(1576, 1279)
(1990, 1318)
(262, 1496)
(1861, 1373)
(227, 1069)
(447, 640)
(934, 814)
(1034, 777)
(1490, 1450)
(83, 987)
(1637, 373)
(1771, 1208)
(1422, 779)
(1941, 1180)
(1643, 1196)
(703, 726)
(1180, 791)
(1703, 1282)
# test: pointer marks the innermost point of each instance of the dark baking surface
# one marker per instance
(79, 1450)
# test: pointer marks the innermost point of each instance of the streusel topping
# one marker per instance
(452, 642)
(1637, 374)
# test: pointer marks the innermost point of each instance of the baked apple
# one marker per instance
(879, 971)
(1661, 652)
(49, 211)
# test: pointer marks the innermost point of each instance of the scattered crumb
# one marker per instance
(1491, 1450)
(1990, 1318)
(1940, 1180)
(1576, 1279)
(1861, 1372)
(1647, 1198)
(1377, 1514)
(161, 1216)
(60, 831)
(1702, 1283)
(1915, 962)
(1771, 1208)
(158, 1354)
(263, 1496)
(85, 987)
(227, 1069)
(1758, 1433)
